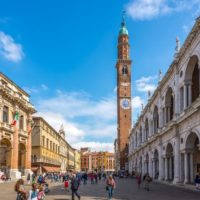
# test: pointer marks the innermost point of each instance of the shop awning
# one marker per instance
(51, 169)
(34, 169)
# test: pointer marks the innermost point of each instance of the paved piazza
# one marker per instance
(126, 190)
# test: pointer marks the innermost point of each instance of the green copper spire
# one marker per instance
(123, 30)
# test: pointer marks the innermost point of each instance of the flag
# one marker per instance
(16, 117)
(31, 126)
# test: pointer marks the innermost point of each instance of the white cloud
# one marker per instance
(9, 49)
(35, 90)
(84, 118)
(146, 84)
(44, 87)
(148, 9)
(137, 102)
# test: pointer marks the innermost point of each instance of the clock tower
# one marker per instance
(123, 67)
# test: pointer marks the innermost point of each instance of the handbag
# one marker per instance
(107, 188)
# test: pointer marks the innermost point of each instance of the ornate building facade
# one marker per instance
(123, 67)
(165, 141)
(97, 161)
(50, 150)
(15, 140)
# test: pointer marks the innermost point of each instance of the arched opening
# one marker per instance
(192, 157)
(169, 105)
(22, 158)
(195, 83)
(124, 70)
(169, 163)
(192, 88)
(155, 120)
(5, 156)
(155, 165)
(146, 129)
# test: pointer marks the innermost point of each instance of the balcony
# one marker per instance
(36, 160)
(7, 127)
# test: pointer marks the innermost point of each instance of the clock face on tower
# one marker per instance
(125, 103)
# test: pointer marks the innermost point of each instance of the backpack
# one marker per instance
(34, 195)
(40, 179)
(75, 185)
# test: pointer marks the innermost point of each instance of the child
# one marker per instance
(66, 185)
(41, 194)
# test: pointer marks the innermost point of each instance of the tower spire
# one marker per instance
(123, 18)
(123, 29)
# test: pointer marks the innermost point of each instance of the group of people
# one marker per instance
(36, 192)
(73, 181)
(146, 180)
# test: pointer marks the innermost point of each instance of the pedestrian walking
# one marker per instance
(96, 178)
(85, 177)
(110, 186)
(66, 185)
(197, 181)
(74, 187)
(147, 180)
(33, 193)
(41, 194)
(138, 178)
(28, 178)
(20, 190)
(92, 178)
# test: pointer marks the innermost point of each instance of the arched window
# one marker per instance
(192, 81)
(124, 70)
(155, 120)
(169, 105)
(195, 83)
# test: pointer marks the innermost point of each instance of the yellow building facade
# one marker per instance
(50, 150)
(77, 161)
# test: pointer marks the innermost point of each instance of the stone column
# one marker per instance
(28, 146)
(161, 164)
(166, 168)
(189, 94)
(150, 165)
(186, 170)
(199, 76)
(153, 168)
(177, 160)
(170, 168)
(14, 173)
(185, 97)
(191, 168)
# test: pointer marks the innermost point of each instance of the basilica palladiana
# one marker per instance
(165, 140)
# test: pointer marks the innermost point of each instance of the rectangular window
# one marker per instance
(5, 114)
(21, 122)
(47, 143)
(43, 141)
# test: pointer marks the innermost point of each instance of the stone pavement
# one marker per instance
(126, 190)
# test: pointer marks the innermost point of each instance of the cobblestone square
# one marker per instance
(126, 190)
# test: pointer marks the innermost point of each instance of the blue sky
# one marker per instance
(63, 53)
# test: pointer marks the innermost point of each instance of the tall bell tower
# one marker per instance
(123, 67)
